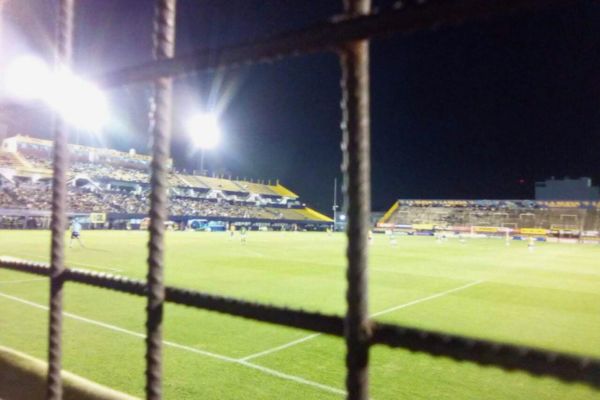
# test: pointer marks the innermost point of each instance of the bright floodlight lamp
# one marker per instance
(79, 102)
(204, 130)
(27, 78)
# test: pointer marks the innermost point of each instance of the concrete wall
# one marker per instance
(24, 378)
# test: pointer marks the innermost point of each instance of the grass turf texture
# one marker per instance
(548, 298)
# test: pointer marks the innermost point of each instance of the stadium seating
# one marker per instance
(257, 188)
(219, 184)
(113, 182)
(283, 191)
(84, 200)
(513, 214)
(288, 213)
(11, 160)
(190, 181)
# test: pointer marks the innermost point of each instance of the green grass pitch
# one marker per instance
(548, 298)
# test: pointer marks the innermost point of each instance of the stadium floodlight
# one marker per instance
(80, 103)
(27, 78)
(205, 130)
(206, 133)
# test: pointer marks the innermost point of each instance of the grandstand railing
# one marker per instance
(348, 36)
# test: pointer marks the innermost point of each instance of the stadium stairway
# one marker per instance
(314, 214)
(22, 161)
(389, 213)
(283, 191)
(23, 377)
(13, 160)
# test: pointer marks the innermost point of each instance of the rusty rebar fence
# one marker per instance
(347, 35)
(64, 46)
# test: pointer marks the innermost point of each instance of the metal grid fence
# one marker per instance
(347, 35)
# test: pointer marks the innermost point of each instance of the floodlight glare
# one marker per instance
(27, 78)
(204, 129)
(79, 102)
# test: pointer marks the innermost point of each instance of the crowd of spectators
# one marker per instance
(37, 196)
(499, 204)
(208, 208)
(108, 171)
(107, 163)
(6, 198)
(26, 196)
(103, 165)
(118, 182)
(39, 163)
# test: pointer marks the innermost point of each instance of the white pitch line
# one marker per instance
(283, 346)
(294, 378)
(205, 353)
(382, 312)
(45, 259)
(434, 296)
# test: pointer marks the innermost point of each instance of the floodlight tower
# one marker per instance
(204, 130)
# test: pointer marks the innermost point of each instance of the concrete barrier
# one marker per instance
(23, 377)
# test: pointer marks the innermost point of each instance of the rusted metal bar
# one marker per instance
(348, 35)
(64, 46)
(28, 267)
(327, 36)
(164, 48)
(566, 367)
(354, 60)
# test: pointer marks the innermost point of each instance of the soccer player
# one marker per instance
(231, 230)
(75, 233)
(393, 240)
(243, 234)
(531, 244)
(370, 236)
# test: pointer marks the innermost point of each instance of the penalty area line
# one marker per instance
(382, 312)
(282, 347)
(265, 370)
(423, 299)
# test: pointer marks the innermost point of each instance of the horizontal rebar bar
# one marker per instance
(565, 367)
(410, 17)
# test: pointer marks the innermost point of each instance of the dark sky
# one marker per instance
(476, 111)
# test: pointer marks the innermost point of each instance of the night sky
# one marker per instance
(482, 110)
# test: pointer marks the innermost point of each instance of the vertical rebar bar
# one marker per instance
(164, 47)
(64, 46)
(354, 59)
